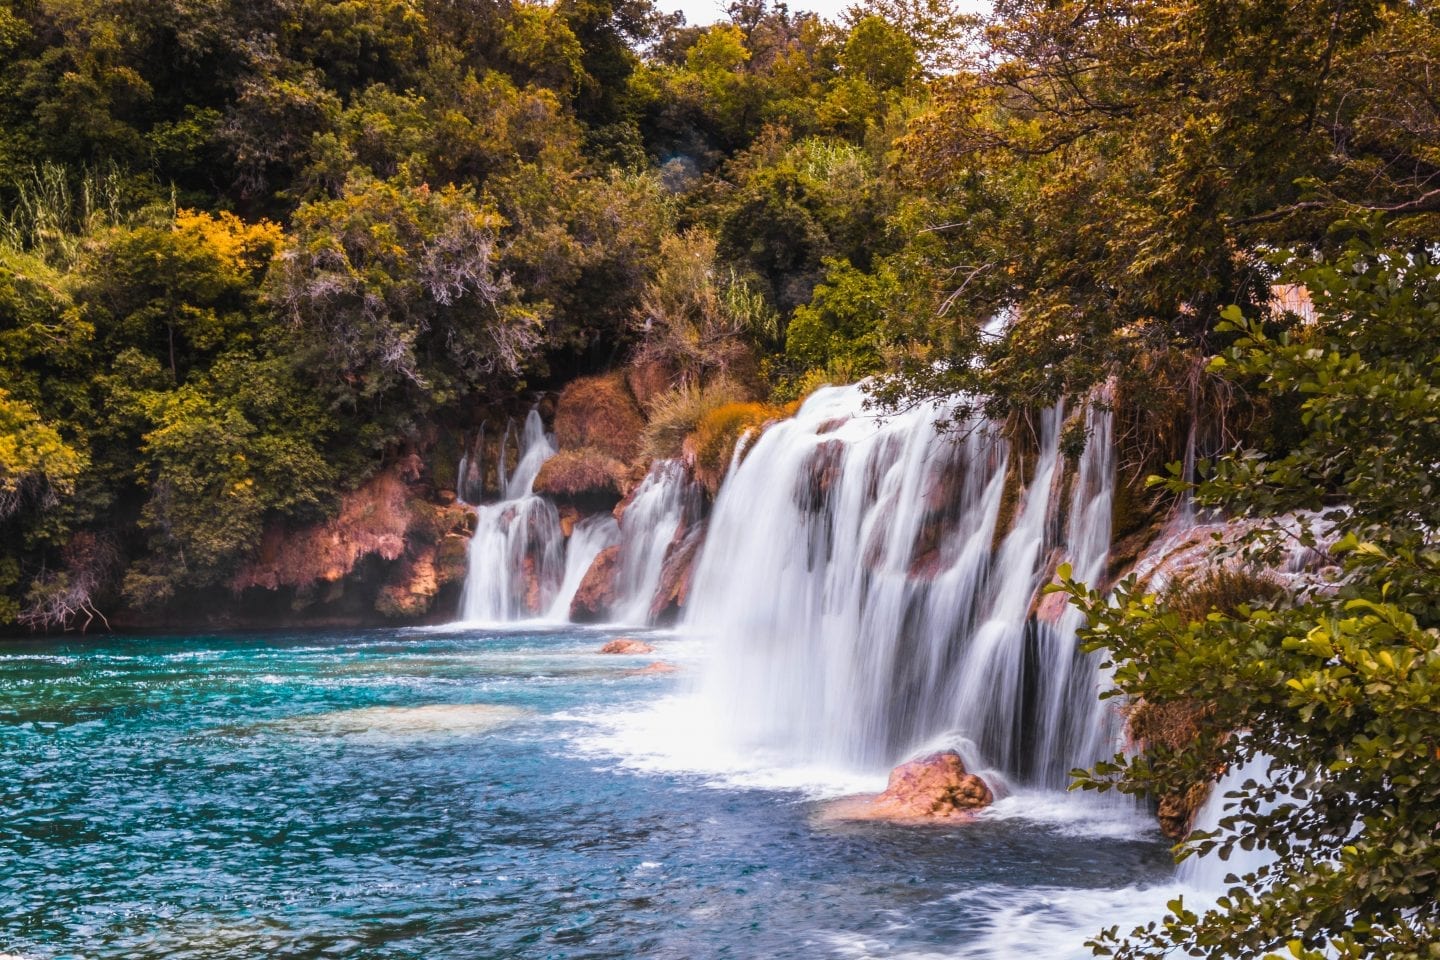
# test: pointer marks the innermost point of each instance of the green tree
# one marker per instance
(1337, 684)
(397, 289)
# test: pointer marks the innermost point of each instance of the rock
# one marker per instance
(417, 586)
(569, 516)
(659, 666)
(597, 590)
(818, 475)
(627, 645)
(373, 520)
(585, 477)
(934, 787)
(675, 573)
(599, 412)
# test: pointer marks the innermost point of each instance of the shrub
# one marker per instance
(719, 431)
(675, 414)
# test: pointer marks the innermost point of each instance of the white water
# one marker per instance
(517, 555)
(665, 499)
(857, 609)
(589, 537)
(1209, 873)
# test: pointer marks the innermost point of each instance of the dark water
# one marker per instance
(168, 798)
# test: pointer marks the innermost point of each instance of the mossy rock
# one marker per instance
(600, 413)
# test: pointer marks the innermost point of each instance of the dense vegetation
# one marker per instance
(250, 249)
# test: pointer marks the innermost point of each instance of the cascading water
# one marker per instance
(589, 537)
(665, 500)
(517, 555)
(864, 598)
(470, 474)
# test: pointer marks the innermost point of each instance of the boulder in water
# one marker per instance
(596, 594)
(659, 666)
(934, 787)
(627, 645)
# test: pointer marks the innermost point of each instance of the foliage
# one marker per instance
(1336, 683)
(692, 320)
(675, 414)
(35, 461)
(1113, 174)
(397, 288)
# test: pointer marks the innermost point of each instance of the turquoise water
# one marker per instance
(217, 797)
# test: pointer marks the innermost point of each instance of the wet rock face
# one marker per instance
(597, 590)
(627, 645)
(676, 573)
(822, 468)
(933, 786)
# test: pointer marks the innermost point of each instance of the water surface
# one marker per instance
(282, 796)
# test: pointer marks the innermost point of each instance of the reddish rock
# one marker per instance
(818, 475)
(627, 645)
(597, 590)
(659, 666)
(582, 477)
(675, 573)
(831, 425)
(935, 787)
(373, 520)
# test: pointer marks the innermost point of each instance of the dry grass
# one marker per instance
(719, 431)
(581, 474)
(675, 415)
(1224, 590)
(600, 412)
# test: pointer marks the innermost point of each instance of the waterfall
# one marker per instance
(517, 562)
(665, 500)
(1208, 873)
(867, 588)
(470, 474)
(589, 537)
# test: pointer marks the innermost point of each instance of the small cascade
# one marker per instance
(517, 554)
(470, 475)
(867, 588)
(665, 500)
(589, 537)
(1208, 873)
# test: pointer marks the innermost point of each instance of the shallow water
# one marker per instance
(481, 794)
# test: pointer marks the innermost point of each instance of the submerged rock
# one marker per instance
(659, 666)
(934, 787)
(387, 723)
(628, 645)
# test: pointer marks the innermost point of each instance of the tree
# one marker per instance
(1115, 172)
(1336, 685)
(396, 288)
